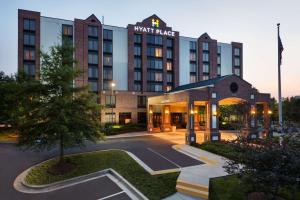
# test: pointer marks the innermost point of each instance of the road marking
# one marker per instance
(111, 195)
(164, 157)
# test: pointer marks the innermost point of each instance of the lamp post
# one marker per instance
(112, 107)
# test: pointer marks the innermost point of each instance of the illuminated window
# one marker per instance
(107, 60)
(169, 87)
(67, 30)
(219, 70)
(169, 66)
(158, 52)
(29, 54)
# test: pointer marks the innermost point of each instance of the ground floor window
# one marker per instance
(142, 118)
(124, 117)
(110, 117)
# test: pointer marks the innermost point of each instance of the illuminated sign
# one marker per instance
(155, 30)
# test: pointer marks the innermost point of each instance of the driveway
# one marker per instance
(157, 153)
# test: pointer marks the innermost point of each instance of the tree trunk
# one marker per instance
(61, 148)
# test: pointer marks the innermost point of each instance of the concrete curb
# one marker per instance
(127, 135)
(21, 186)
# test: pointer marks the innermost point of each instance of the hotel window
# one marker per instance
(219, 60)
(219, 70)
(236, 61)
(192, 56)
(205, 57)
(219, 49)
(169, 77)
(169, 66)
(154, 63)
(169, 88)
(93, 58)
(205, 46)
(110, 101)
(205, 77)
(29, 39)
(29, 69)
(154, 39)
(107, 47)
(169, 54)
(137, 50)
(67, 30)
(169, 42)
(137, 87)
(107, 34)
(124, 117)
(205, 68)
(137, 38)
(93, 86)
(93, 44)
(29, 24)
(154, 76)
(110, 117)
(137, 76)
(154, 87)
(137, 63)
(107, 60)
(158, 52)
(236, 51)
(237, 71)
(107, 73)
(142, 101)
(29, 54)
(193, 67)
(193, 45)
(142, 118)
(192, 78)
(93, 71)
(93, 31)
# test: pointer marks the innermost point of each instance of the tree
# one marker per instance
(59, 113)
(267, 165)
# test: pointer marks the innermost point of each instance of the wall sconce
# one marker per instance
(192, 112)
(195, 111)
(253, 112)
(150, 111)
(166, 111)
(215, 113)
(270, 112)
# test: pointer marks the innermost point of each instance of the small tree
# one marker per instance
(266, 165)
(59, 113)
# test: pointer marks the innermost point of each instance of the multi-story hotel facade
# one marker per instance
(146, 58)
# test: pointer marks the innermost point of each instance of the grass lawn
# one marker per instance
(7, 135)
(154, 187)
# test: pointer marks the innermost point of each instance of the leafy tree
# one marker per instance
(267, 165)
(59, 113)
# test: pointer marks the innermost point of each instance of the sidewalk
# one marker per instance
(194, 180)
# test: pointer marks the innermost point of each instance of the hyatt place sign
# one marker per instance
(154, 30)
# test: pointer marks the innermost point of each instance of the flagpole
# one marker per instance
(279, 81)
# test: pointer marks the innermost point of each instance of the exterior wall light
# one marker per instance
(150, 111)
(166, 111)
(195, 111)
(192, 112)
(270, 112)
(215, 113)
(253, 112)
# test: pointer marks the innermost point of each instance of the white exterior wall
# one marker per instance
(51, 30)
(184, 60)
(120, 56)
(226, 58)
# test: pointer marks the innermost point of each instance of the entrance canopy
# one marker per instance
(190, 105)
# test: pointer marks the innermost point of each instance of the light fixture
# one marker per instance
(192, 112)
(150, 111)
(270, 112)
(253, 112)
(113, 84)
(214, 113)
(166, 111)
(195, 111)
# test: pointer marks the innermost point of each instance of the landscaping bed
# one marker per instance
(8, 135)
(119, 129)
(154, 187)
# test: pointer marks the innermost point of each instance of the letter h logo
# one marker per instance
(155, 23)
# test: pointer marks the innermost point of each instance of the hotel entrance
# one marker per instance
(178, 120)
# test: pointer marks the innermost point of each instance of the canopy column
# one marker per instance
(190, 131)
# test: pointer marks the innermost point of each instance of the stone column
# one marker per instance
(150, 118)
(266, 118)
(166, 119)
(253, 122)
(190, 132)
(212, 122)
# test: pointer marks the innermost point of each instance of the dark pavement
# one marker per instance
(156, 153)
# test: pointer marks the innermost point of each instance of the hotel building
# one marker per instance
(144, 59)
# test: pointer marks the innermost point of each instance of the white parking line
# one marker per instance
(164, 157)
(112, 195)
